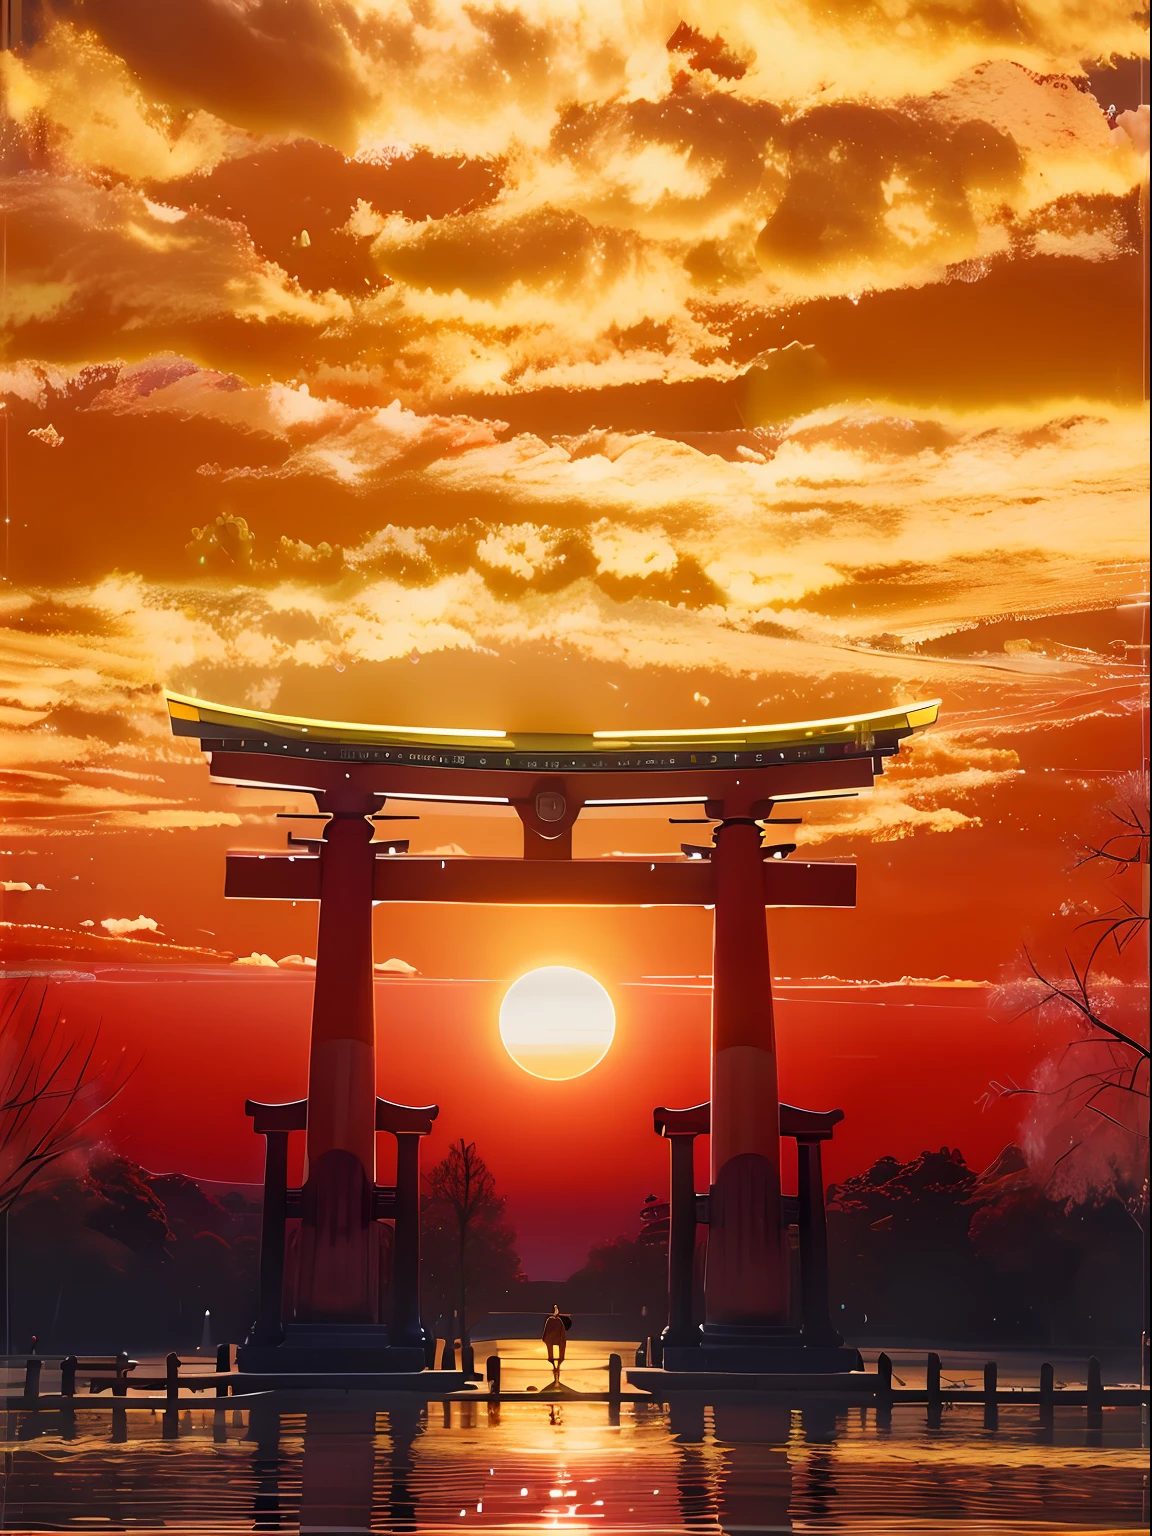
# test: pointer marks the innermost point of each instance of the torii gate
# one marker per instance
(740, 776)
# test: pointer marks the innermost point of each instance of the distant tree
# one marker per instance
(934, 1250)
(1054, 1270)
(624, 1274)
(51, 1091)
(112, 1256)
(901, 1261)
(466, 1234)
(126, 1208)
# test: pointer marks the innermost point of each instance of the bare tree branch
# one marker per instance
(1097, 1008)
(50, 1089)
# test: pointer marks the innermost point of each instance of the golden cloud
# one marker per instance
(636, 215)
(121, 927)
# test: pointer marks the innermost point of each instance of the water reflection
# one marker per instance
(753, 1473)
(338, 1483)
(264, 1432)
(407, 1466)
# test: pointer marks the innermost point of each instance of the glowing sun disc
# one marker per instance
(557, 1022)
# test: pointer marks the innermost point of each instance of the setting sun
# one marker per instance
(557, 1022)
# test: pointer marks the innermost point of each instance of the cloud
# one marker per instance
(120, 927)
(932, 785)
(846, 497)
(395, 967)
(257, 959)
(95, 267)
(254, 63)
(600, 210)
(500, 74)
(85, 101)
(864, 532)
(14, 885)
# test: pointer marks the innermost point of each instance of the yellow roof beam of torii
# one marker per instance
(186, 711)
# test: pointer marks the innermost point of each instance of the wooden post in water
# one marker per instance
(119, 1416)
(171, 1426)
(32, 1381)
(120, 1385)
(224, 1362)
(68, 1376)
(935, 1399)
(1047, 1393)
(614, 1369)
(883, 1378)
(883, 1391)
(492, 1371)
(991, 1417)
(1095, 1395)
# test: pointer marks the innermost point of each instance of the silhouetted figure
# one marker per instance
(555, 1336)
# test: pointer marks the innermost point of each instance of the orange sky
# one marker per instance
(570, 366)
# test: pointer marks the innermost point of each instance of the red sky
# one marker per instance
(576, 1158)
(522, 366)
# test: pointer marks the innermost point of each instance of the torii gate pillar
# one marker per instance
(746, 1281)
(338, 1279)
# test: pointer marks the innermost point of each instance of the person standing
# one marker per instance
(555, 1337)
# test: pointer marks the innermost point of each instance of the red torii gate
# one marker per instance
(739, 775)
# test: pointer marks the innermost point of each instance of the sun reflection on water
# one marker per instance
(566, 1466)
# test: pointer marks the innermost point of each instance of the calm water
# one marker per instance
(719, 1467)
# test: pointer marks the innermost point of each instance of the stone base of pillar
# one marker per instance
(761, 1351)
(326, 1348)
(820, 1337)
(665, 1384)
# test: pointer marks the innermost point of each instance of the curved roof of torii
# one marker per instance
(732, 746)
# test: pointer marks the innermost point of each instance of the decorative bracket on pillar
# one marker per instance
(399, 1202)
(696, 1121)
(810, 1128)
(687, 1210)
(680, 1127)
(811, 1124)
(407, 1122)
(274, 1122)
(269, 1118)
(405, 1119)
